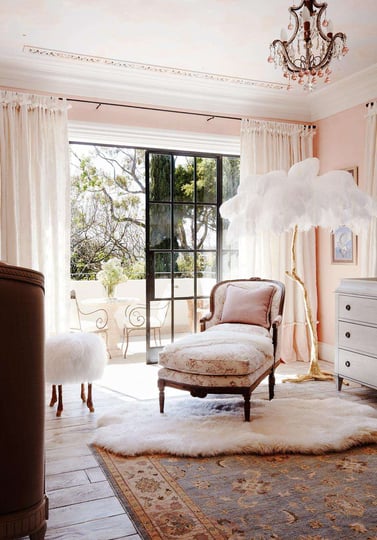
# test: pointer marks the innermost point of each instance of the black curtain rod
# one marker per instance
(209, 117)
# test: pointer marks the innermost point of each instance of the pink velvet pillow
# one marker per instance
(248, 306)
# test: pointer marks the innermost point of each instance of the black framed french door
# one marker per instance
(183, 240)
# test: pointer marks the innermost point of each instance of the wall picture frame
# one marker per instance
(343, 241)
(344, 246)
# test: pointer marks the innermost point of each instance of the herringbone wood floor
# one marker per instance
(82, 502)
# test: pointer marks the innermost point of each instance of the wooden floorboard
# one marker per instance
(83, 504)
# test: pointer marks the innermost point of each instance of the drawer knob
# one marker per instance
(348, 334)
(348, 307)
(348, 363)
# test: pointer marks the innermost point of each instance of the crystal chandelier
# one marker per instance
(305, 55)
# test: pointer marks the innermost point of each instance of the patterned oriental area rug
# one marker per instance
(248, 497)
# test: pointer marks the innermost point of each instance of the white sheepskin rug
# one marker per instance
(209, 427)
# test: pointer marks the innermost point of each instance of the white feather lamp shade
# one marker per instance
(277, 202)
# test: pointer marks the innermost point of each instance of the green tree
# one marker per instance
(194, 180)
(159, 177)
(107, 207)
(231, 176)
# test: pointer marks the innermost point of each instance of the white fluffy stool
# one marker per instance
(74, 358)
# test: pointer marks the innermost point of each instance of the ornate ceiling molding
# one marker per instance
(149, 68)
(60, 75)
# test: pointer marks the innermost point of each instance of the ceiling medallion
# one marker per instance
(305, 55)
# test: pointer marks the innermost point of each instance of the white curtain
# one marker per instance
(268, 146)
(368, 239)
(35, 201)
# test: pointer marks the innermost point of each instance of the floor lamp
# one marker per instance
(279, 202)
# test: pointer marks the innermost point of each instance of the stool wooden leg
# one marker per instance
(161, 386)
(89, 401)
(54, 397)
(83, 396)
(60, 401)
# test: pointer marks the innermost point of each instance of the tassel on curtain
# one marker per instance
(35, 203)
(268, 146)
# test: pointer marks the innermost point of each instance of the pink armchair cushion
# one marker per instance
(248, 306)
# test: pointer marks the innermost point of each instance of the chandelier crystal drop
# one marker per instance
(306, 52)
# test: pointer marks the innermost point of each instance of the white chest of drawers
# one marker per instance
(356, 331)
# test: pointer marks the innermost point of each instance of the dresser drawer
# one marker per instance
(355, 308)
(357, 367)
(357, 337)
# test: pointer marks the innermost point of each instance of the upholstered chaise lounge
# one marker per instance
(238, 345)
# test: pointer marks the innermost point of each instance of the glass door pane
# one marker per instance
(182, 240)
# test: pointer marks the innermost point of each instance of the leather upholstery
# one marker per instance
(22, 386)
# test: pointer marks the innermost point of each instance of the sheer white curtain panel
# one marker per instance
(368, 239)
(35, 200)
(268, 146)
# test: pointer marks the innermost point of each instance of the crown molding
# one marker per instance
(342, 95)
(161, 89)
(72, 75)
(153, 138)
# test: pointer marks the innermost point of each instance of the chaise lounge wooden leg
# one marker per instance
(60, 401)
(54, 397)
(271, 385)
(247, 396)
(161, 386)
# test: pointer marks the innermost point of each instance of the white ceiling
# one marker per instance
(204, 55)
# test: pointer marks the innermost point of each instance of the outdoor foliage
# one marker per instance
(108, 208)
(107, 205)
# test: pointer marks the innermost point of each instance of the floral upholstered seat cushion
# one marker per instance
(224, 349)
(211, 381)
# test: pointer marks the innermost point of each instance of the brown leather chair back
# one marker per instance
(22, 388)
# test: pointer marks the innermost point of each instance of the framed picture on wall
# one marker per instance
(343, 241)
(344, 246)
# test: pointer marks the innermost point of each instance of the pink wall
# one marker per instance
(147, 118)
(340, 144)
